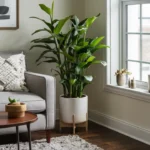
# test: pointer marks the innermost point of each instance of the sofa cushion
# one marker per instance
(34, 103)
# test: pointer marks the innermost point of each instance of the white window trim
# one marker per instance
(138, 94)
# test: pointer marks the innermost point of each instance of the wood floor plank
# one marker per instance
(99, 135)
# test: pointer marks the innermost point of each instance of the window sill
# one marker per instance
(139, 94)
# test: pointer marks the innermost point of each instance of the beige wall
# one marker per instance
(78, 8)
(126, 109)
(19, 40)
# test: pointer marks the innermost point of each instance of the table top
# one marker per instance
(10, 122)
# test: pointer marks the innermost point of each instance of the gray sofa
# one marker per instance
(41, 99)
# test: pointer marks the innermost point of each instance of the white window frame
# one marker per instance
(123, 30)
(114, 54)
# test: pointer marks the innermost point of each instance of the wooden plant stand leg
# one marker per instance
(86, 122)
(48, 136)
(74, 125)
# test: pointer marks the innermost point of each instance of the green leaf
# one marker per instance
(100, 62)
(88, 78)
(52, 9)
(42, 54)
(40, 30)
(90, 59)
(55, 21)
(96, 62)
(84, 56)
(83, 22)
(91, 20)
(45, 9)
(65, 39)
(78, 69)
(102, 46)
(82, 64)
(62, 81)
(52, 60)
(9, 99)
(39, 46)
(60, 25)
(67, 55)
(98, 48)
(47, 23)
(72, 81)
(78, 48)
(103, 63)
(56, 71)
(96, 41)
(82, 30)
(43, 40)
(75, 20)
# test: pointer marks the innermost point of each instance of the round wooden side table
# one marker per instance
(6, 122)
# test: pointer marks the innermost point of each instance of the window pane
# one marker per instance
(146, 10)
(146, 48)
(146, 18)
(134, 67)
(146, 25)
(134, 47)
(145, 72)
(134, 18)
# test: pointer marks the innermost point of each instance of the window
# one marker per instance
(136, 38)
(128, 35)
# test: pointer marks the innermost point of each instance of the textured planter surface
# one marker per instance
(15, 111)
(120, 80)
(73, 106)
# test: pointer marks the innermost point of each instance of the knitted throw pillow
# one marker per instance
(12, 73)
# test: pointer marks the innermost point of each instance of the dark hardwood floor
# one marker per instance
(101, 136)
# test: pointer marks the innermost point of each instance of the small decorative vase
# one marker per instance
(120, 80)
(16, 110)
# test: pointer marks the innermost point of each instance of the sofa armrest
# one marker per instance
(45, 87)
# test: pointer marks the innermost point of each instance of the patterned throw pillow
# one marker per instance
(12, 73)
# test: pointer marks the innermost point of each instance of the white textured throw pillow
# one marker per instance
(12, 73)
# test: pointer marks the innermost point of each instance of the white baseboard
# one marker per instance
(120, 126)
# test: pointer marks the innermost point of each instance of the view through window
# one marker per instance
(137, 39)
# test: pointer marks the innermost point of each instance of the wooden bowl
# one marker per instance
(16, 110)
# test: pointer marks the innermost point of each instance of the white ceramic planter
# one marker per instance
(73, 106)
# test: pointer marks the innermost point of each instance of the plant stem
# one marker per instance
(84, 37)
(70, 90)
(58, 49)
(64, 90)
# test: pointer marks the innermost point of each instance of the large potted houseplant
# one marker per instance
(73, 54)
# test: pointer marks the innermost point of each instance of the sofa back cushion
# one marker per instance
(7, 54)
(12, 71)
